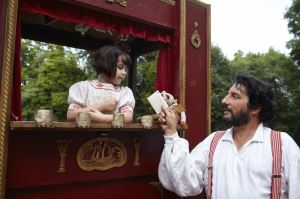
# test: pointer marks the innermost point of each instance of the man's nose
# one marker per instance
(224, 100)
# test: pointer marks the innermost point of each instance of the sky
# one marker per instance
(249, 25)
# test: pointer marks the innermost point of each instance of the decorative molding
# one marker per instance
(170, 2)
(208, 54)
(182, 53)
(182, 57)
(6, 82)
(101, 154)
(62, 148)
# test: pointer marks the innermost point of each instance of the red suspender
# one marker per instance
(276, 163)
(212, 149)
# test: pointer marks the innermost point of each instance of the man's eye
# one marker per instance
(235, 97)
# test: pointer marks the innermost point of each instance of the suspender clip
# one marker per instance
(276, 176)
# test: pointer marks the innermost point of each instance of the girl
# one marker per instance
(104, 96)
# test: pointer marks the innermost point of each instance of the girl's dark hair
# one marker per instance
(259, 94)
(105, 60)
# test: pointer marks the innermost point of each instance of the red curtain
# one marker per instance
(166, 67)
(167, 71)
(76, 14)
(16, 106)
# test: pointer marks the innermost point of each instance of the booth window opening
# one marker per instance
(48, 70)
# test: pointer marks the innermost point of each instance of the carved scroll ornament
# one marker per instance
(101, 154)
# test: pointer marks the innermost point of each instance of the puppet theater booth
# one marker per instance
(63, 161)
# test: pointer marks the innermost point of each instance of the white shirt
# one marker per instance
(244, 173)
(90, 92)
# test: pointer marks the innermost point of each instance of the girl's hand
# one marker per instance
(107, 106)
(95, 113)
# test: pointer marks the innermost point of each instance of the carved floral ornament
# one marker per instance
(195, 38)
(101, 154)
(120, 2)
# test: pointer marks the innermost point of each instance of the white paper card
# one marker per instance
(157, 101)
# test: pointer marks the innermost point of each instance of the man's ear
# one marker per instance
(255, 110)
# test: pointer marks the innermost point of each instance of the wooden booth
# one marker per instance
(64, 161)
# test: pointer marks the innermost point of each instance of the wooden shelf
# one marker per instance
(71, 126)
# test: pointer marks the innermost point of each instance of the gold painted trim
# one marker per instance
(170, 2)
(208, 28)
(182, 57)
(182, 53)
(6, 82)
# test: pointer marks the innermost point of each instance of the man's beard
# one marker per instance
(237, 119)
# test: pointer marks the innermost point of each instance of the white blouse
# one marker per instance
(244, 173)
(90, 92)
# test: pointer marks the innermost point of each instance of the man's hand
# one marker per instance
(168, 121)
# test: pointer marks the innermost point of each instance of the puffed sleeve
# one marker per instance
(78, 93)
(127, 101)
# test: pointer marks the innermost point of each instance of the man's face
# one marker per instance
(235, 106)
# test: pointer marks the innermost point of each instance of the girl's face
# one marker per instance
(121, 72)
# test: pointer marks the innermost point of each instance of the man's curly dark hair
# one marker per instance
(260, 96)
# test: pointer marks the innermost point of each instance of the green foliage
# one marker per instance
(146, 69)
(293, 17)
(221, 81)
(47, 73)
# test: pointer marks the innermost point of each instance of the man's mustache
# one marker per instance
(224, 107)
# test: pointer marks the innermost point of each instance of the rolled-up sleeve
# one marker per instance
(180, 171)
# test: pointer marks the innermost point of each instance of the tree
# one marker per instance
(146, 69)
(221, 80)
(293, 17)
(53, 69)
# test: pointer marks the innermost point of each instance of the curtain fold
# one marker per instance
(16, 104)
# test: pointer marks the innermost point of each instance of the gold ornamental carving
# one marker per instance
(170, 2)
(62, 145)
(137, 145)
(195, 38)
(6, 67)
(101, 154)
(120, 2)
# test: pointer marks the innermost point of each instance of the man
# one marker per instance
(242, 165)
